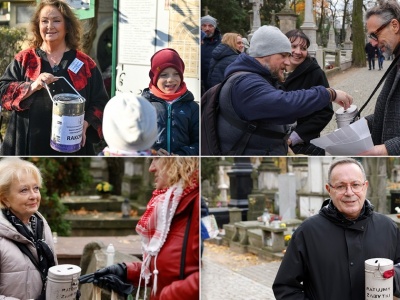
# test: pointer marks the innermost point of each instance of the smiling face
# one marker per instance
(52, 25)
(23, 198)
(299, 52)
(160, 177)
(169, 81)
(349, 203)
(239, 44)
(388, 37)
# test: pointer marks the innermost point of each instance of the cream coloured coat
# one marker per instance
(19, 278)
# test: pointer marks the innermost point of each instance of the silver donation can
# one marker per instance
(62, 282)
(345, 117)
(379, 278)
(67, 122)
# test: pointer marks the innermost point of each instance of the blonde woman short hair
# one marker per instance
(12, 168)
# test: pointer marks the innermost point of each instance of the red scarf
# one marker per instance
(168, 97)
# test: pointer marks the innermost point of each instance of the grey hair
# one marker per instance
(387, 11)
(345, 160)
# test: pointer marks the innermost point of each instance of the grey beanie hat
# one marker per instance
(210, 20)
(269, 40)
(129, 123)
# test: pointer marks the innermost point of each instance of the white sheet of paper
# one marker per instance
(348, 140)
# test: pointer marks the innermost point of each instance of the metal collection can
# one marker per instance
(379, 278)
(67, 121)
(345, 117)
(62, 282)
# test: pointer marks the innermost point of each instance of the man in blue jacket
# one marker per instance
(256, 98)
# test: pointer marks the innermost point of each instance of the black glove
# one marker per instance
(118, 269)
(110, 278)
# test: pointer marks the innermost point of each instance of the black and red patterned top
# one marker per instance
(28, 131)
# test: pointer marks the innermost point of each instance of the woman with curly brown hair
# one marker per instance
(169, 231)
(54, 52)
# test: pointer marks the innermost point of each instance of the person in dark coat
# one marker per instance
(384, 124)
(211, 40)
(223, 55)
(371, 52)
(177, 112)
(304, 73)
(326, 254)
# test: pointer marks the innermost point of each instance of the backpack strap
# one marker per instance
(184, 245)
(248, 127)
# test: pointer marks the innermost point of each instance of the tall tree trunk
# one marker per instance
(115, 173)
(375, 169)
(358, 35)
(343, 33)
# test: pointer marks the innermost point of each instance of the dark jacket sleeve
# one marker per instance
(14, 85)
(257, 99)
(288, 281)
(310, 127)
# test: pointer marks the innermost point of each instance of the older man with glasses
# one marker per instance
(383, 27)
(326, 254)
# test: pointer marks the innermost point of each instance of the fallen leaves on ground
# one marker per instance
(230, 259)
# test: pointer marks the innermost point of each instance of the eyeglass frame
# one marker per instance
(374, 35)
(348, 184)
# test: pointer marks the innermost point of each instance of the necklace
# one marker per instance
(55, 60)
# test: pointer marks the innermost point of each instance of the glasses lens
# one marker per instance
(373, 36)
(355, 187)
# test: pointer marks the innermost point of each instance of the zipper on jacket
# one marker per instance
(169, 120)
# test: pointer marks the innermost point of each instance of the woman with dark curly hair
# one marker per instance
(54, 52)
(304, 73)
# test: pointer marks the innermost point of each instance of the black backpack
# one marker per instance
(210, 144)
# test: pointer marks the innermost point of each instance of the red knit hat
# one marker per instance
(163, 59)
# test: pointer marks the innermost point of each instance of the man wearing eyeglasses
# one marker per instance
(325, 257)
(383, 27)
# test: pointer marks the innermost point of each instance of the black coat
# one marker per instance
(370, 50)
(384, 123)
(207, 47)
(222, 56)
(305, 76)
(326, 254)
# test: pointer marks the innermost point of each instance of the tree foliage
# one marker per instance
(234, 15)
(61, 176)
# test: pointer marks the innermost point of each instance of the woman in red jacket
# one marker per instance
(170, 236)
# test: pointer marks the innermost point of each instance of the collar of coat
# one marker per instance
(330, 212)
